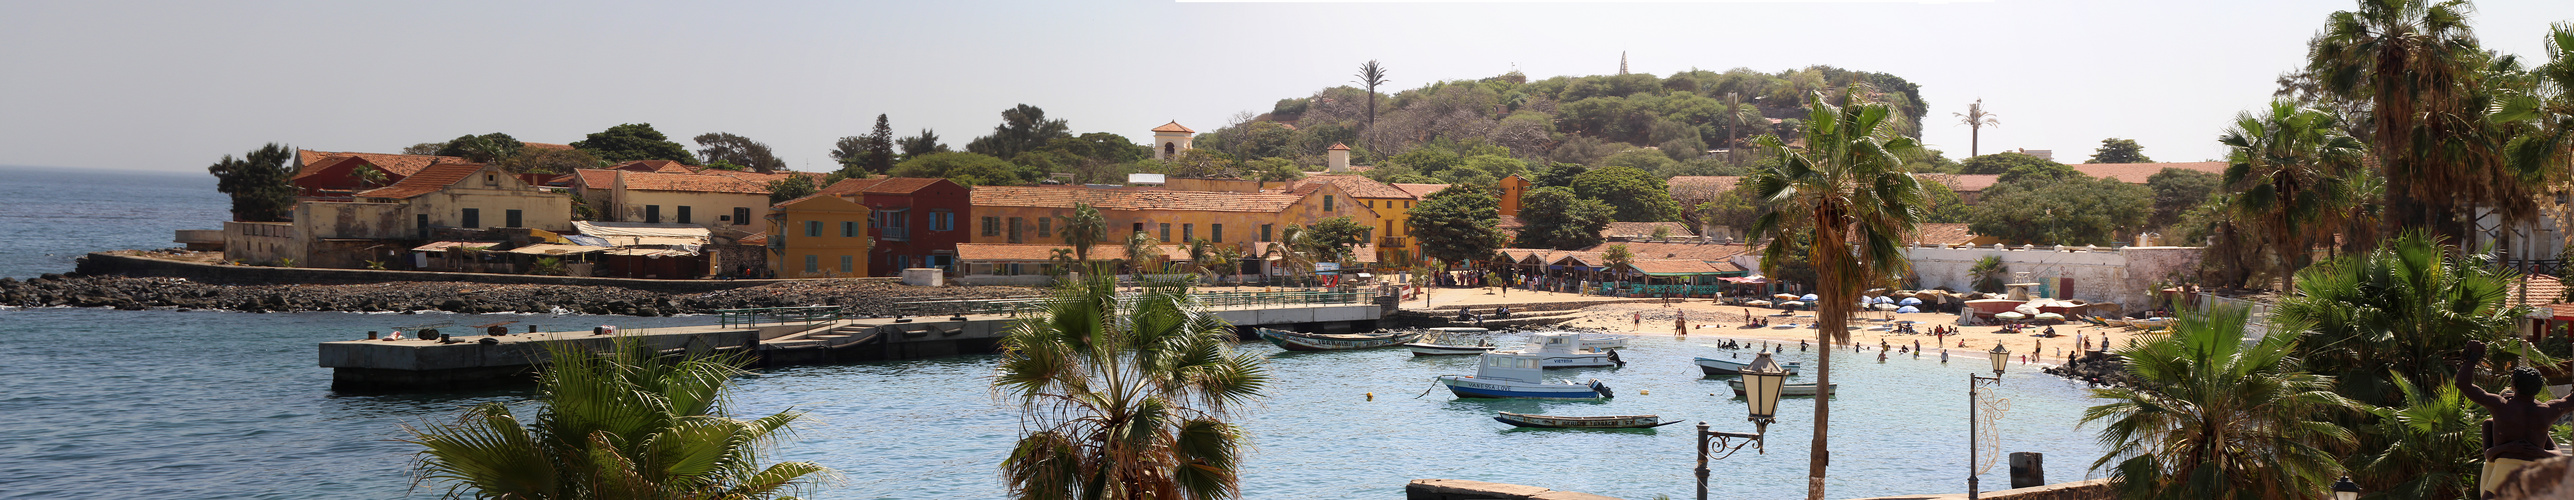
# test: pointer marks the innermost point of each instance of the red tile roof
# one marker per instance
(663, 166)
(400, 165)
(595, 178)
(1421, 191)
(1131, 199)
(984, 252)
(1336, 147)
(427, 180)
(1356, 186)
(1673, 266)
(882, 185)
(2135, 173)
(1943, 234)
(1174, 126)
(691, 183)
(2541, 291)
(765, 179)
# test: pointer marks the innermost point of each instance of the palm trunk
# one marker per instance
(1831, 318)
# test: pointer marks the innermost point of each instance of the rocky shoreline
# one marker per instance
(127, 293)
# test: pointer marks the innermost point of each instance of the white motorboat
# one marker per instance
(1515, 375)
(1603, 342)
(1564, 350)
(1713, 367)
(1438, 344)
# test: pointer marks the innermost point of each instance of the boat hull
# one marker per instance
(1713, 366)
(1470, 387)
(1604, 422)
(1419, 349)
(1308, 342)
(1807, 390)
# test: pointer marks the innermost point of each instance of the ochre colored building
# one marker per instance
(918, 221)
(1036, 215)
(819, 236)
(1393, 207)
(1511, 189)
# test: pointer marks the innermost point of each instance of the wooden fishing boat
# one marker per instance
(1515, 375)
(1713, 367)
(1295, 341)
(1807, 390)
(1601, 422)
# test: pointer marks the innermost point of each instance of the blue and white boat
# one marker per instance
(1566, 350)
(1515, 375)
(1713, 367)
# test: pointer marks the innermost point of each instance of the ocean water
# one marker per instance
(50, 216)
(165, 404)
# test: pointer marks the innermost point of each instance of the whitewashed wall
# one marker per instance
(2121, 275)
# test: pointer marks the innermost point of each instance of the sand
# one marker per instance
(1708, 318)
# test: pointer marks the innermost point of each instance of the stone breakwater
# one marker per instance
(127, 293)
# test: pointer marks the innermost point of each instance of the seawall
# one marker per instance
(112, 264)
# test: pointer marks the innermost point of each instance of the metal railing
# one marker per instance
(777, 315)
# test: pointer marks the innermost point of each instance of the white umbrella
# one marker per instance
(1908, 309)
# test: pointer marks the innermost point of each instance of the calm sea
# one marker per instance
(164, 404)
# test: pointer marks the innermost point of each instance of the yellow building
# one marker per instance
(1036, 215)
(1511, 189)
(1393, 207)
(819, 236)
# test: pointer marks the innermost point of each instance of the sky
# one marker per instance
(177, 85)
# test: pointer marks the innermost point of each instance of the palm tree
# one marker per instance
(2430, 448)
(2397, 312)
(1293, 251)
(620, 424)
(2287, 167)
(1142, 250)
(1848, 185)
(2409, 61)
(1126, 398)
(1371, 75)
(2215, 417)
(1976, 119)
(1987, 273)
(1084, 229)
(2548, 109)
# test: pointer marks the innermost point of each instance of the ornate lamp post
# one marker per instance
(1976, 464)
(1762, 381)
(2345, 489)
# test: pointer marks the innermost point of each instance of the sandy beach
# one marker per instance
(1708, 318)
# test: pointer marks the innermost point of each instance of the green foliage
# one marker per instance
(1084, 229)
(2213, 416)
(1331, 240)
(622, 424)
(2430, 447)
(1640, 159)
(633, 142)
(486, 148)
(1203, 164)
(1553, 217)
(2075, 211)
(1617, 257)
(1023, 128)
(2289, 169)
(2398, 311)
(549, 266)
(1637, 196)
(1943, 205)
(2040, 173)
(1275, 169)
(970, 169)
(2116, 150)
(2176, 191)
(1734, 209)
(1988, 273)
(1126, 397)
(2000, 163)
(720, 147)
(791, 187)
(258, 183)
(868, 154)
(550, 161)
(1458, 225)
(921, 145)
(1560, 175)
(1427, 161)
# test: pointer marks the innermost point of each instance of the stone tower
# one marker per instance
(1170, 139)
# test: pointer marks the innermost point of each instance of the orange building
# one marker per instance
(1036, 215)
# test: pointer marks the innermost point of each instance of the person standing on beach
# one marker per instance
(1639, 319)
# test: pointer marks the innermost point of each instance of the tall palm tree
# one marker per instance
(1143, 254)
(1976, 119)
(1371, 75)
(1126, 398)
(1294, 251)
(620, 424)
(2215, 417)
(1848, 185)
(2548, 110)
(2397, 312)
(2287, 166)
(1084, 229)
(2409, 60)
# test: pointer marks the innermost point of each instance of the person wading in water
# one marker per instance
(2518, 434)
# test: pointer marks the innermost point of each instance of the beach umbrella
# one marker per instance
(1908, 309)
(1809, 298)
(1910, 301)
(1885, 300)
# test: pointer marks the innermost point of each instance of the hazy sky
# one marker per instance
(176, 85)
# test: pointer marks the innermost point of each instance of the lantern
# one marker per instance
(2000, 357)
(1762, 381)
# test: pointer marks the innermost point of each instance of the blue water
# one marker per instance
(165, 404)
(50, 216)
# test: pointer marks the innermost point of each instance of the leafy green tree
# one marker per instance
(720, 147)
(2176, 191)
(2286, 166)
(1275, 169)
(1847, 186)
(1560, 175)
(1428, 160)
(2116, 150)
(627, 423)
(1618, 257)
(1554, 218)
(1641, 159)
(921, 145)
(791, 187)
(965, 168)
(1987, 273)
(1944, 206)
(486, 148)
(1204, 164)
(2417, 66)
(258, 183)
(2040, 173)
(550, 161)
(2214, 416)
(1023, 128)
(1333, 238)
(868, 154)
(1457, 225)
(1637, 196)
(1733, 209)
(633, 142)
(2075, 211)
(424, 149)
(1976, 118)
(1998, 163)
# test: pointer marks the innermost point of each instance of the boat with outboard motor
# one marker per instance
(1516, 375)
(1564, 350)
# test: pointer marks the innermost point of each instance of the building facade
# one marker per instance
(917, 221)
(819, 236)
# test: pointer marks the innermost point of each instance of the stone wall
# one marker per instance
(136, 266)
(2125, 276)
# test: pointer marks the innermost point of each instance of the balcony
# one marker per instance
(895, 233)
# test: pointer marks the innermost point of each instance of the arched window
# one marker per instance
(1170, 148)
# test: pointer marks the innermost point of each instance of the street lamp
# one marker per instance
(1762, 381)
(1975, 465)
(2345, 489)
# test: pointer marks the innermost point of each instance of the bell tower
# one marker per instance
(1170, 139)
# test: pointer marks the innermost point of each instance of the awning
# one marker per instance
(648, 252)
(550, 249)
(611, 229)
(1749, 280)
(587, 240)
(444, 245)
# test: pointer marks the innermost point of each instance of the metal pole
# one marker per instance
(1971, 442)
(1702, 460)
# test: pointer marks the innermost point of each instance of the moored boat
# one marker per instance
(1600, 422)
(1713, 366)
(1564, 350)
(1514, 375)
(1428, 349)
(1295, 341)
(1786, 390)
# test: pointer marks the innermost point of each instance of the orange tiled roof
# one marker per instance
(1673, 266)
(427, 180)
(1356, 186)
(2541, 291)
(1174, 126)
(691, 183)
(2135, 173)
(662, 166)
(1702, 187)
(403, 165)
(978, 252)
(1421, 191)
(765, 179)
(1943, 234)
(1131, 199)
(883, 185)
(595, 178)
(1668, 250)
(1974, 183)
(1644, 229)
(1337, 147)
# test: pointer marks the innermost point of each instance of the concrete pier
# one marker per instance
(478, 361)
